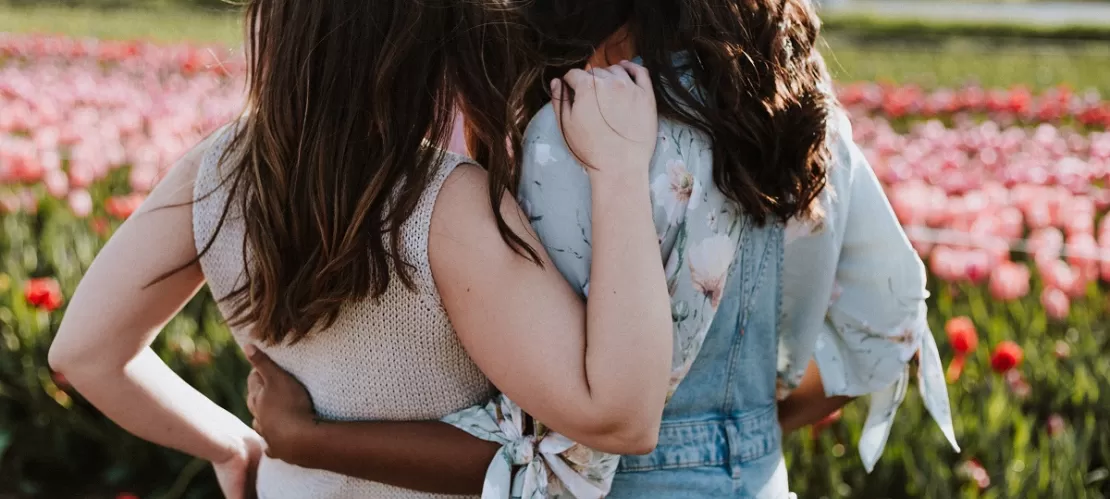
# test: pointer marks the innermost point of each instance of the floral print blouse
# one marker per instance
(853, 296)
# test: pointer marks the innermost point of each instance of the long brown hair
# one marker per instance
(760, 92)
(332, 155)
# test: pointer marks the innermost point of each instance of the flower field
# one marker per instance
(1003, 191)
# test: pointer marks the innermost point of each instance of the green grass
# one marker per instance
(956, 61)
(857, 50)
(898, 28)
(163, 24)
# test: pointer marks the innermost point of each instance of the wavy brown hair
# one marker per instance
(761, 85)
(332, 154)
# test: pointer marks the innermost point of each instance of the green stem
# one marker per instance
(181, 485)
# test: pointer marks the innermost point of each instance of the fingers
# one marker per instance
(618, 73)
(579, 80)
(600, 73)
(261, 362)
(558, 94)
(255, 384)
(557, 90)
(255, 381)
(638, 73)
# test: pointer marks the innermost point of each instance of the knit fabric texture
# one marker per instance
(391, 358)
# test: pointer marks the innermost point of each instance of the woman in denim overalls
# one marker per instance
(837, 299)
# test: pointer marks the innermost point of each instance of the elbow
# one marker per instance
(629, 437)
(639, 442)
(61, 357)
(71, 359)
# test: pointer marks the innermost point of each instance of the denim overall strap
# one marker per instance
(725, 413)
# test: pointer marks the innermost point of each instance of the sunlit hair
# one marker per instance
(333, 152)
(763, 98)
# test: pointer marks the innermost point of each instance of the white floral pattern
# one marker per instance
(676, 190)
(709, 264)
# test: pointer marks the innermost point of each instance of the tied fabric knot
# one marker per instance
(520, 452)
(549, 465)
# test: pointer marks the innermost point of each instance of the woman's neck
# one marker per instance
(620, 46)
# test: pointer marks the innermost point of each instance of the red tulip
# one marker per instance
(961, 334)
(122, 207)
(100, 226)
(44, 293)
(1007, 355)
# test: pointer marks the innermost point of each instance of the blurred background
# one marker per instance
(987, 123)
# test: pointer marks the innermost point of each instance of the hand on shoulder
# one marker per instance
(609, 118)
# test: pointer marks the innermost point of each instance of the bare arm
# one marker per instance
(598, 373)
(429, 456)
(103, 344)
(808, 403)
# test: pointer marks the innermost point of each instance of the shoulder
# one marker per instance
(464, 186)
(544, 123)
(464, 235)
(845, 157)
(463, 213)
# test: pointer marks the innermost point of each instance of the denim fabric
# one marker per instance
(720, 435)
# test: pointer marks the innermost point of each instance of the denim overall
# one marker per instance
(720, 435)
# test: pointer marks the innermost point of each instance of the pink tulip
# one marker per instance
(1056, 303)
(1009, 281)
(1083, 254)
(1048, 241)
(1104, 265)
(976, 265)
(1057, 274)
(57, 185)
(947, 264)
(143, 178)
(80, 202)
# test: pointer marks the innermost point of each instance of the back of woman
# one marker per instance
(309, 219)
(311, 215)
(389, 357)
(818, 299)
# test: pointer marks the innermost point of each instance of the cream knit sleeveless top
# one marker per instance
(395, 358)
